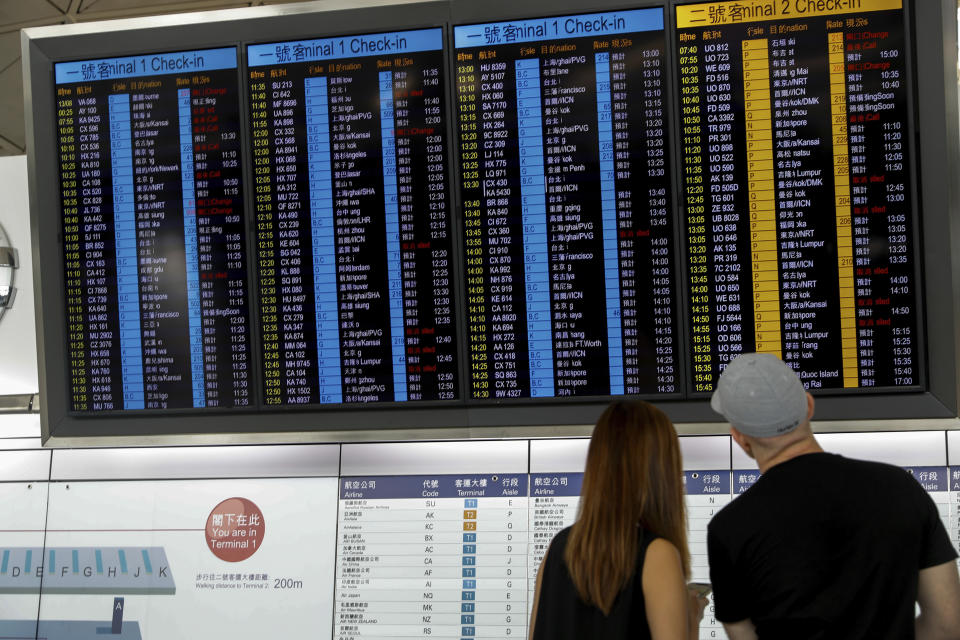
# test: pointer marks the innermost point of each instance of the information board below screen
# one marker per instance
(353, 222)
(797, 190)
(153, 231)
(566, 206)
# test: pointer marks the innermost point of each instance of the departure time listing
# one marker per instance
(797, 191)
(566, 206)
(353, 221)
(153, 231)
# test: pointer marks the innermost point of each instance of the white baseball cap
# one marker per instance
(760, 396)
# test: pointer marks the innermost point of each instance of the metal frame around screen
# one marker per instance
(937, 158)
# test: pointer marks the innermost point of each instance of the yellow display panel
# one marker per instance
(724, 13)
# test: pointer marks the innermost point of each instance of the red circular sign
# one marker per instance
(235, 529)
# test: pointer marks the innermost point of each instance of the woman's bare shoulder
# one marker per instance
(661, 554)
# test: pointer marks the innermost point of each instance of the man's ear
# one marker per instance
(810, 404)
(743, 441)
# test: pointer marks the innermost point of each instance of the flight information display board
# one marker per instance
(566, 206)
(353, 223)
(461, 213)
(153, 231)
(797, 189)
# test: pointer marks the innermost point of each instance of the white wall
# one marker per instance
(18, 336)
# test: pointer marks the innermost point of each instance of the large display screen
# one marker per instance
(452, 215)
(565, 184)
(353, 225)
(797, 193)
(153, 231)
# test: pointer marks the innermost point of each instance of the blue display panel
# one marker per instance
(379, 44)
(558, 28)
(155, 64)
(353, 222)
(153, 231)
(566, 205)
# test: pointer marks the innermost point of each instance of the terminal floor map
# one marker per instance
(149, 547)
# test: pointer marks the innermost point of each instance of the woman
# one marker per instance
(620, 571)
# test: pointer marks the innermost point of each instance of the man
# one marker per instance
(821, 547)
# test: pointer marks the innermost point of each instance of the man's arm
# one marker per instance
(743, 630)
(938, 594)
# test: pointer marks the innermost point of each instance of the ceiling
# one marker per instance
(18, 14)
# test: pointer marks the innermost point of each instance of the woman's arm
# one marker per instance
(671, 612)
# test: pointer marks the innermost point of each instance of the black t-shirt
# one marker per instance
(825, 547)
(561, 614)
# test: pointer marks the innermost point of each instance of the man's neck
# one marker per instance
(791, 451)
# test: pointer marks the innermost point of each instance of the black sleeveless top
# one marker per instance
(561, 614)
